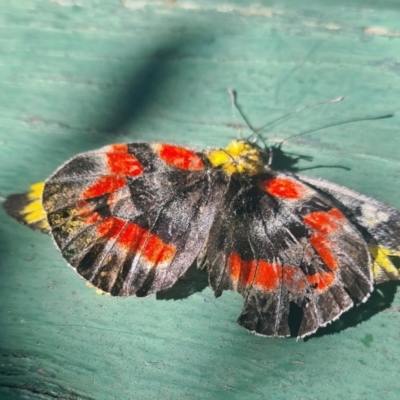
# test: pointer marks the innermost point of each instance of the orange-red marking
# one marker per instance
(180, 157)
(132, 237)
(155, 250)
(92, 218)
(322, 280)
(118, 148)
(244, 272)
(335, 213)
(123, 164)
(285, 188)
(325, 222)
(110, 227)
(323, 246)
(267, 275)
(104, 185)
(87, 212)
(112, 200)
(234, 264)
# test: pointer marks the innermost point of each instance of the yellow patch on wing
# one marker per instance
(380, 256)
(66, 218)
(239, 157)
(33, 212)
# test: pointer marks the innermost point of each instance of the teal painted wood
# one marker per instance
(78, 74)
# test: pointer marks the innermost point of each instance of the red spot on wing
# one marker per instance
(325, 222)
(151, 247)
(119, 162)
(112, 200)
(87, 212)
(92, 219)
(135, 239)
(110, 227)
(123, 164)
(321, 281)
(234, 264)
(156, 251)
(323, 246)
(130, 236)
(119, 148)
(180, 157)
(241, 271)
(283, 187)
(104, 185)
(268, 275)
(335, 213)
(261, 274)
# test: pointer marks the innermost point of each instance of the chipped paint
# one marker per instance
(329, 26)
(222, 8)
(380, 31)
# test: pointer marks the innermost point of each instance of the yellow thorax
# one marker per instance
(239, 157)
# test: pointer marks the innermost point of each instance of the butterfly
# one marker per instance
(132, 218)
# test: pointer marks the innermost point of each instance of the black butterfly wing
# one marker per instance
(378, 222)
(132, 218)
(276, 241)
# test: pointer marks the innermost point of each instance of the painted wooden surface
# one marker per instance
(78, 74)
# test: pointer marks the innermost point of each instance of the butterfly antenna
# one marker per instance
(235, 106)
(321, 103)
(337, 124)
(232, 94)
(256, 131)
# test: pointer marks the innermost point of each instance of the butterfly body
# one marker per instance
(132, 218)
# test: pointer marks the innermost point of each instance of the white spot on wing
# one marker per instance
(372, 216)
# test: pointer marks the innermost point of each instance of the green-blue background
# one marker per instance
(78, 74)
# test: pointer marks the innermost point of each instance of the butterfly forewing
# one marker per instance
(132, 218)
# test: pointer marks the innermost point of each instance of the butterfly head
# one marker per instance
(239, 157)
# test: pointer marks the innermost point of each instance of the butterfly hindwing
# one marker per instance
(132, 218)
(378, 222)
(276, 241)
